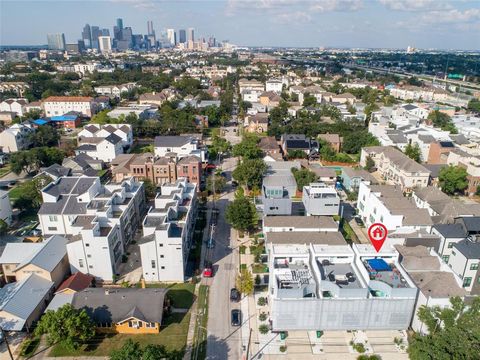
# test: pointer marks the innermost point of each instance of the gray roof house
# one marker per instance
(125, 308)
(22, 302)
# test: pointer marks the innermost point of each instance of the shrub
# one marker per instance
(283, 348)
(261, 301)
(358, 347)
(263, 329)
(262, 316)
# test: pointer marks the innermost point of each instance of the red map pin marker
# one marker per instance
(377, 233)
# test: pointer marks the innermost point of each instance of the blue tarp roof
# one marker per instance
(378, 265)
(41, 121)
(64, 118)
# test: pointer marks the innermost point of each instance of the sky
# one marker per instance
(424, 24)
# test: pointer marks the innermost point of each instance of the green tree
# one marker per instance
(296, 154)
(45, 136)
(250, 172)
(150, 189)
(218, 181)
(244, 282)
(248, 148)
(219, 145)
(453, 179)
(353, 142)
(241, 214)
(453, 332)
(67, 326)
(3, 227)
(309, 100)
(156, 352)
(369, 163)
(413, 152)
(443, 121)
(303, 177)
(30, 198)
(130, 350)
(474, 105)
(102, 118)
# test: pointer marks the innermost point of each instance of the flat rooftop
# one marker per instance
(342, 274)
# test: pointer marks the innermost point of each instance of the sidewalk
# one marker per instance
(193, 310)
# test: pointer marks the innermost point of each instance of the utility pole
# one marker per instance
(248, 345)
(6, 342)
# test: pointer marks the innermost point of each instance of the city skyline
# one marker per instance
(321, 23)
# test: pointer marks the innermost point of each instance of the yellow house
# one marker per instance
(47, 260)
(119, 310)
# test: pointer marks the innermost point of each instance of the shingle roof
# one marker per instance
(437, 284)
(77, 282)
(171, 141)
(469, 249)
(121, 304)
(449, 231)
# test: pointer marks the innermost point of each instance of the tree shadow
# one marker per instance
(211, 348)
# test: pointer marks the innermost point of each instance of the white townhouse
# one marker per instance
(396, 168)
(167, 232)
(98, 220)
(114, 90)
(16, 137)
(386, 204)
(124, 131)
(181, 146)
(14, 105)
(60, 105)
(99, 148)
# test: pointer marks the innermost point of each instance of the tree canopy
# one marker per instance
(413, 152)
(32, 160)
(453, 179)
(303, 177)
(30, 198)
(241, 214)
(67, 326)
(453, 332)
(244, 282)
(248, 148)
(443, 121)
(131, 350)
(250, 172)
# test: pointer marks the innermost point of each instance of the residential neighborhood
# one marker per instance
(173, 196)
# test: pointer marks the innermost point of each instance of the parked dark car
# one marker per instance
(234, 295)
(236, 317)
(359, 221)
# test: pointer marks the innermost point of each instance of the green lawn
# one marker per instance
(180, 294)
(173, 335)
(15, 193)
(199, 350)
(259, 268)
(4, 170)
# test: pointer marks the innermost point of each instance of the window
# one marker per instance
(450, 245)
(162, 256)
(474, 266)
(153, 264)
(80, 263)
(467, 281)
(89, 255)
(52, 228)
(149, 325)
(87, 245)
(161, 245)
(90, 266)
(454, 253)
(445, 258)
(162, 267)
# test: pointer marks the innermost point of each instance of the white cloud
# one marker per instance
(291, 7)
(416, 5)
(138, 4)
(295, 17)
(452, 16)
